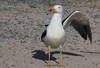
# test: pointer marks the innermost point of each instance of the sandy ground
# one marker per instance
(22, 23)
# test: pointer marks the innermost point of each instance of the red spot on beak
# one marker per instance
(52, 9)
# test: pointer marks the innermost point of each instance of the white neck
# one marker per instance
(55, 29)
(56, 20)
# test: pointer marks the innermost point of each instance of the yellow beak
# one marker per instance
(52, 9)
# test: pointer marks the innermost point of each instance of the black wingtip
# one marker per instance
(89, 33)
(83, 29)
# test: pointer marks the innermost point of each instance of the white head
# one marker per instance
(56, 8)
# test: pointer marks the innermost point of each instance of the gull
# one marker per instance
(54, 34)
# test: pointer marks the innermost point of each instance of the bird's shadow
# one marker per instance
(91, 52)
(41, 55)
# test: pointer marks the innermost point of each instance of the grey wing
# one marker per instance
(80, 23)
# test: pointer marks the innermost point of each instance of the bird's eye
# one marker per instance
(58, 7)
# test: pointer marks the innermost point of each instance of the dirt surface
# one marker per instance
(22, 23)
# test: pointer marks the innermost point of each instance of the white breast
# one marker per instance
(55, 32)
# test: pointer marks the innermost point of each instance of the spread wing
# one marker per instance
(79, 21)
